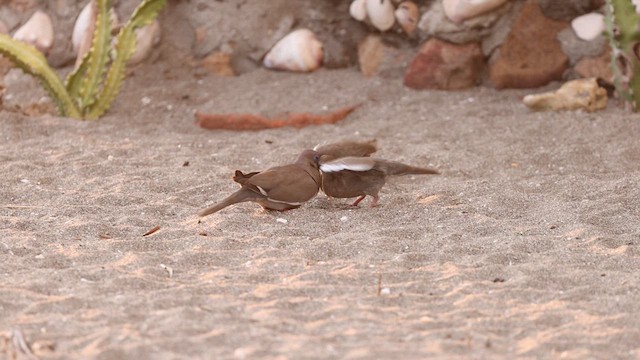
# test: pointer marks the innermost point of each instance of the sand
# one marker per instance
(525, 246)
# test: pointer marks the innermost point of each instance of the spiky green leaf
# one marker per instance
(125, 46)
(32, 62)
(98, 56)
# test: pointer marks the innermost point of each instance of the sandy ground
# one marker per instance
(526, 245)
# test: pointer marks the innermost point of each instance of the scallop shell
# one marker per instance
(407, 15)
(37, 31)
(357, 10)
(147, 38)
(299, 51)
(380, 14)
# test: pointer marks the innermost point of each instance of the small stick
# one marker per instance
(254, 122)
(379, 284)
(155, 228)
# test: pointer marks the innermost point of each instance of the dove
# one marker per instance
(278, 188)
(348, 171)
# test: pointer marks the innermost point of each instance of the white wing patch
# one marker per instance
(348, 163)
(262, 191)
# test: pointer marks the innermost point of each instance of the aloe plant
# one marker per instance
(621, 29)
(91, 88)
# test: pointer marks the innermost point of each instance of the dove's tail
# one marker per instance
(239, 196)
(396, 168)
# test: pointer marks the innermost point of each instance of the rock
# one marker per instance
(501, 29)
(589, 26)
(283, 27)
(375, 57)
(531, 56)
(567, 10)
(434, 22)
(218, 63)
(597, 67)
(441, 65)
(460, 10)
(370, 53)
(577, 49)
(580, 94)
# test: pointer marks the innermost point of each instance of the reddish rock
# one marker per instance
(597, 67)
(567, 10)
(441, 65)
(531, 56)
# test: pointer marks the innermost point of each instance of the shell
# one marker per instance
(84, 27)
(299, 51)
(37, 31)
(357, 10)
(460, 10)
(588, 26)
(407, 15)
(147, 38)
(380, 14)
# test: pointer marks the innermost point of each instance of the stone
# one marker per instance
(500, 29)
(442, 65)
(577, 49)
(567, 10)
(531, 56)
(597, 67)
(580, 94)
(219, 63)
(370, 53)
(460, 10)
(434, 22)
(375, 57)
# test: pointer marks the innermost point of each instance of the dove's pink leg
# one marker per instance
(374, 202)
(355, 203)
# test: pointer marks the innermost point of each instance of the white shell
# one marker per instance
(357, 10)
(83, 26)
(299, 51)
(83, 29)
(460, 10)
(407, 15)
(147, 38)
(589, 26)
(37, 31)
(380, 14)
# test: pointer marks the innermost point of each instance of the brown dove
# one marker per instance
(278, 188)
(348, 171)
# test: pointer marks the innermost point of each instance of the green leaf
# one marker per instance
(32, 62)
(125, 46)
(98, 56)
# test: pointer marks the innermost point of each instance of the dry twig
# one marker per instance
(256, 122)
